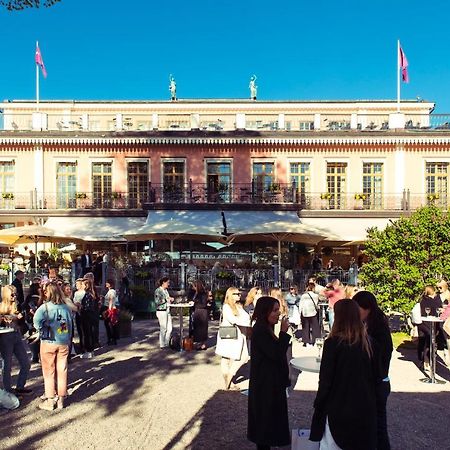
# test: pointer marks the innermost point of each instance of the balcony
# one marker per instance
(197, 195)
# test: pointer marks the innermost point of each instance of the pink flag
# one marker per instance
(40, 61)
(403, 66)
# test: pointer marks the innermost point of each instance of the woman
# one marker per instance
(252, 297)
(200, 315)
(268, 423)
(350, 290)
(12, 343)
(333, 292)
(345, 406)
(88, 319)
(292, 300)
(380, 334)
(77, 299)
(233, 313)
(32, 302)
(110, 312)
(57, 317)
(309, 309)
(162, 301)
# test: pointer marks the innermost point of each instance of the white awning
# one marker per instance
(180, 224)
(95, 228)
(346, 228)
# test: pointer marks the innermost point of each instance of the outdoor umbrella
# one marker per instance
(278, 226)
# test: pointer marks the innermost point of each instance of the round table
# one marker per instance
(180, 307)
(432, 320)
(306, 364)
(6, 330)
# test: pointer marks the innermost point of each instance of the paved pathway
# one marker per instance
(135, 396)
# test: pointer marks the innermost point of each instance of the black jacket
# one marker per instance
(346, 395)
(381, 336)
(20, 299)
(268, 422)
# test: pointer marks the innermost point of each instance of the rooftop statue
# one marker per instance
(253, 87)
(172, 87)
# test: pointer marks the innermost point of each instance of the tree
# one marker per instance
(405, 257)
(17, 5)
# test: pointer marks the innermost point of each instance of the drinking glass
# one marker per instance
(319, 343)
(427, 311)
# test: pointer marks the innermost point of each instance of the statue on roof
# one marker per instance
(172, 87)
(253, 87)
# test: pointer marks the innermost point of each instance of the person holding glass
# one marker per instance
(54, 319)
(162, 301)
(12, 343)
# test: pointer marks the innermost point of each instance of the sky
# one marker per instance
(299, 50)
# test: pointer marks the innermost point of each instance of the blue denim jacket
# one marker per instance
(59, 318)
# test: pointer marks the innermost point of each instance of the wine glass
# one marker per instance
(319, 344)
(439, 311)
(427, 311)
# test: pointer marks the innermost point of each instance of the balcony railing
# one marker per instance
(237, 193)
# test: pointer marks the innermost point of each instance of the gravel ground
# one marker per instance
(135, 396)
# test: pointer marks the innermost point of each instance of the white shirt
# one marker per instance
(228, 318)
(308, 304)
(111, 296)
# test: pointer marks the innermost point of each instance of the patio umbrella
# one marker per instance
(33, 234)
(277, 226)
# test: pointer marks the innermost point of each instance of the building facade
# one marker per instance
(330, 161)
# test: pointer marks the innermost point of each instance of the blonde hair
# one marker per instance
(89, 287)
(56, 294)
(350, 290)
(250, 299)
(230, 300)
(429, 290)
(276, 293)
(8, 304)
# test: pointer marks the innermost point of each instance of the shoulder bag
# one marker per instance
(314, 303)
(227, 331)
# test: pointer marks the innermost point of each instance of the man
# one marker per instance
(32, 261)
(17, 283)
(86, 262)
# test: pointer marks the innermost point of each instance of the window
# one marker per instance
(306, 126)
(437, 182)
(5, 226)
(173, 181)
(300, 179)
(66, 184)
(218, 180)
(137, 183)
(101, 184)
(373, 185)
(7, 184)
(336, 184)
(263, 174)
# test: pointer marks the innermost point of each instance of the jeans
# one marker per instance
(165, 327)
(310, 329)
(382, 392)
(54, 359)
(12, 344)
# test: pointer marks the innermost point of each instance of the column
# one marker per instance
(38, 155)
(399, 158)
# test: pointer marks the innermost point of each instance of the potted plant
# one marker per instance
(432, 197)
(360, 198)
(81, 195)
(125, 319)
(8, 195)
(325, 197)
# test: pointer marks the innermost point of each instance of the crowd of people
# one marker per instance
(47, 317)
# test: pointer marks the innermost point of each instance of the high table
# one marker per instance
(306, 364)
(180, 307)
(432, 320)
(6, 330)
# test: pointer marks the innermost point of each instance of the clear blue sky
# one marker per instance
(112, 49)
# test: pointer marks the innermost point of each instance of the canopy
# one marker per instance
(95, 228)
(33, 234)
(180, 224)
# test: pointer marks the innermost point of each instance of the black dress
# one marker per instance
(268, 422)
(200, 317)
(346, 395)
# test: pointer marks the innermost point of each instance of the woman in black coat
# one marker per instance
(345, 406)
(268, 423)
(378, 330)
(200, 316)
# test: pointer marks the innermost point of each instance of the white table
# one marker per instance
(306, 364)
(180, 307)
(6, 330)
(432, 320)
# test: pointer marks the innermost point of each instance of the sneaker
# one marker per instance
(23, 391)
(60, 403)
(47, 405)
(89, 355)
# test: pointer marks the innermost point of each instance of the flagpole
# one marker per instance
(398, 75)
(37, 80)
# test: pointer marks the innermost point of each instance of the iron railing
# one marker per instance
(236, 193)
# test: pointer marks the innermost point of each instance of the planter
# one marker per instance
(124, 328)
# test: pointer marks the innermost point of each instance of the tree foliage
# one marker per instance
(409, 254)
(17, 5)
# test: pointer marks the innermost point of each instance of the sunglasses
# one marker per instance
(236, 293)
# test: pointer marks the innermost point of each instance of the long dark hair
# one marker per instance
(263, 308)
(199, 287)
(348, 327)
(376, 318)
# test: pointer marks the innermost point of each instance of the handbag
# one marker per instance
(230, 348)
(227, 331)
(46, 332)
